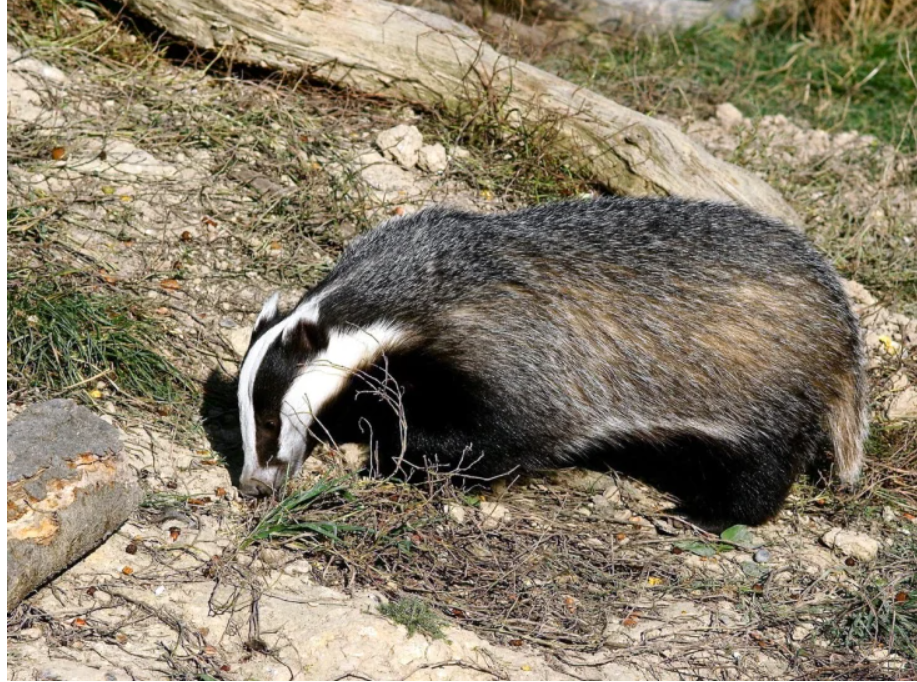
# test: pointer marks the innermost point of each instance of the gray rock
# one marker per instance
(401, 143)
(857, 545)
(729, 115)
(903, 405)
(384, 176)
(432, 158)
(762, 556)
(68, 488)
(238, 339)
(494, 513)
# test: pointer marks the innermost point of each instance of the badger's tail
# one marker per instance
(848, 424)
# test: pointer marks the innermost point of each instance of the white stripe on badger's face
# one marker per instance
(251, 470)
(324, 378)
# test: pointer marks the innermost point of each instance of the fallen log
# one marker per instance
(68, 488)
(406, 53)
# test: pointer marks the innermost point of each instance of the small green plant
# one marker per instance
(64, 332)
(285, 523)
(414, 614)
(880, 612)
(867, 85)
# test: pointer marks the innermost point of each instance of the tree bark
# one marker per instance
(407, 53)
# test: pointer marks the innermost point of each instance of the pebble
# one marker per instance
(762, 556)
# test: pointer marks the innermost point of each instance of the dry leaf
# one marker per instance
(78, 622)
(127, 570)
(58, 153)
(186, 236)
(170, 284)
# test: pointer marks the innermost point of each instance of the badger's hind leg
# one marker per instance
(719, 483)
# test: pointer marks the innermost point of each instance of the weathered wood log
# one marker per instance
(403, 52)
(652, 16)
(68, 488)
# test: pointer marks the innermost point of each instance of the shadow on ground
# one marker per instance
(220, 417)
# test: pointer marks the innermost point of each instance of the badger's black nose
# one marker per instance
(253, 487)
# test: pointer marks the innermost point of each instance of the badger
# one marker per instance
(703, 347)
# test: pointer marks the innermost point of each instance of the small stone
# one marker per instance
(455, 512)
(729, 115)
(800, 632)
(273, 557)
(432, 158)
(460, 153)
(401, 144)
(858, 293)
(494, 514)
(761, 556)
(888, 514)
(383, 175)
(903, 405)
(857, 545)
(353, 456)
(238, 340)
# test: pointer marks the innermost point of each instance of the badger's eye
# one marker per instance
(269, 424)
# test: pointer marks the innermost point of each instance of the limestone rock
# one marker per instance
(903, 405)
(432, 158)
(729, 115)
(353, 456)
(238, 339)
(383, 175)
(494, 514)
(857, 545)
(455, 512)
(401, 144)
(68, 488)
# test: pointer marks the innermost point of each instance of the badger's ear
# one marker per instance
(269, 312)
(305, 337)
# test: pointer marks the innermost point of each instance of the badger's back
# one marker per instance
(600, 329)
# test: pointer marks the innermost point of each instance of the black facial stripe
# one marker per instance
(279, 368)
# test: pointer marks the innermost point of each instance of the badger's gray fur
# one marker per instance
(699, 345)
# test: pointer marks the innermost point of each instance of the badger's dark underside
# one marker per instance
(454, 423)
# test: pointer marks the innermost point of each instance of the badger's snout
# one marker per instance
(254, 487)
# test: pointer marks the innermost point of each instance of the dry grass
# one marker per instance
(841, 20)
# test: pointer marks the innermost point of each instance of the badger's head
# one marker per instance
(274, 418)
(295, 366)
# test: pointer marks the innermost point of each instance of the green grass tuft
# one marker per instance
(867, 85)
(284, 523)
(882, 611)
(63, 334)
(414, 614)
